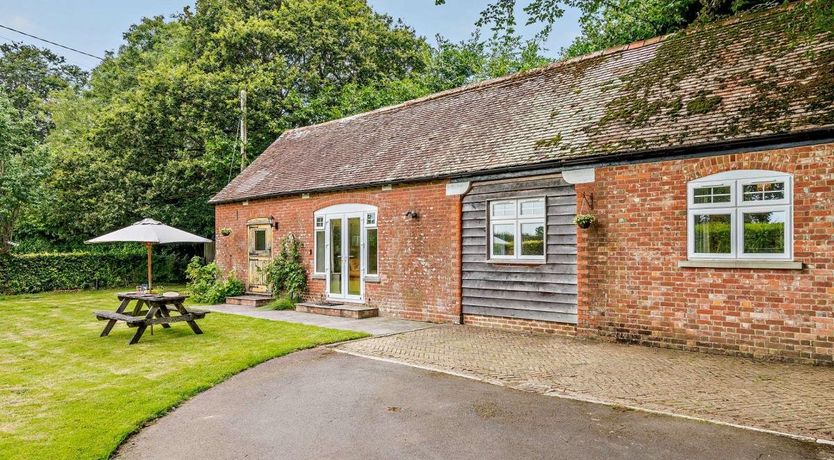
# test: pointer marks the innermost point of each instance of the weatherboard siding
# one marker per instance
(544, 292)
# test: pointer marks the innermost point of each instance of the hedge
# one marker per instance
(28, 273)
(759, 238)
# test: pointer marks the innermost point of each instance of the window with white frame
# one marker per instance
(517, 229)
(369, 244)
(371, 234)
(320, 246)
(741, 215)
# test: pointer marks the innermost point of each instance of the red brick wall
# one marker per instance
(517, 324)
(419, 259)
(631, 289)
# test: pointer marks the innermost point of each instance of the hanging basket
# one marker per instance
(584, 221)
(225, 231)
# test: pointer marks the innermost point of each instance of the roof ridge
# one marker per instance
(530, 73)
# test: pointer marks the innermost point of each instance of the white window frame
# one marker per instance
(371, 222)
(701, 184)
(788, 230)
(516, 220)
(736, 208)
(341, 209)
(690, 234)
(742, 182)
(319, 227)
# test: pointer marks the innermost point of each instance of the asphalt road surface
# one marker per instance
(322, 404)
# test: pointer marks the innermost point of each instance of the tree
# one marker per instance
(607, 23)
(154, 134)
(28, 75)
(21, 168)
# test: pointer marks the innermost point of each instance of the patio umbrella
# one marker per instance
(150, 232)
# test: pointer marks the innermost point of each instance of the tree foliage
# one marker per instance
(608, 23)
(28, 75)
(154, 133)
(21, 168)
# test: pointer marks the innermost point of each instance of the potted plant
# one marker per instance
(584, 220)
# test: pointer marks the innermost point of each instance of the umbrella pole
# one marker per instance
(150, 265)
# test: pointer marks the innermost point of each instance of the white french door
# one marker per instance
(345, 253)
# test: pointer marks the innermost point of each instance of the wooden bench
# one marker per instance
(109, 315)
(158, 312)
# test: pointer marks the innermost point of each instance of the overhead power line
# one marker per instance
(52, 43)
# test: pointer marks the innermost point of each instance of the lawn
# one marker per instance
(65, 392)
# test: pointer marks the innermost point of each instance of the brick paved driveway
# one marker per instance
(795, 399)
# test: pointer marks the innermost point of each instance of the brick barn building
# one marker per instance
(706, 158)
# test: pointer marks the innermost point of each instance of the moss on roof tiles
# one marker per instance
(655, 90)
(764, 73)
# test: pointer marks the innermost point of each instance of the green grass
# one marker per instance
(65, 392)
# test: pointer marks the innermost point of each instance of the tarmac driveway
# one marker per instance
(322, 404)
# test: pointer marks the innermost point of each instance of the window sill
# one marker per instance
(319, 276)
(516, 262)
(760, 264)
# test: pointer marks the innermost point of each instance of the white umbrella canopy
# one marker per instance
(150, 232)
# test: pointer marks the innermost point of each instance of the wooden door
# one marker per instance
(260, 253)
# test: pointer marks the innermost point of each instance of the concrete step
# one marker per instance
(342, 310)
(250, 300)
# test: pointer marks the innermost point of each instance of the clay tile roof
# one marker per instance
(755, 75)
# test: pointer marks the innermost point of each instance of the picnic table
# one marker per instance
(159, 309)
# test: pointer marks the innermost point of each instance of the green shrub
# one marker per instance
(29, 273)
(206, 284)
(282, 303)
(201, 278)
(229, 287)
(286, 273)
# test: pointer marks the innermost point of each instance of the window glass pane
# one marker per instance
(503, 240)
(320, 251)
(763, 191)
(712, 234)
(260, 240)
(372, 252)
(764, 232)
(371, 219)
(354, 268)
(532, 208)
(336, 256)
(532, 239)
(712, 194)
(503, 209)
(319, 222)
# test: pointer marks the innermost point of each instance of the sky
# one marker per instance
(96, 26)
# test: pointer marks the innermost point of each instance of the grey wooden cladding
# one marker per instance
(545, 291)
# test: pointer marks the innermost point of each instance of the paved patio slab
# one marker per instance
(318, 404)
(373, 326)
(785, 398)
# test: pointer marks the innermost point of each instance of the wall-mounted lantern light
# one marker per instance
(412, 215)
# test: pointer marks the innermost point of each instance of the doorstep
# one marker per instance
(355, 311)
(250, 300)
